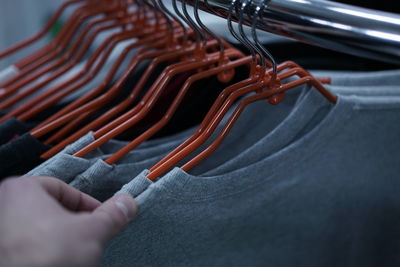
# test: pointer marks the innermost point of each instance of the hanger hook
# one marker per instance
(258, 13)
(140, 9)
(154, 5)
(243, 5)
(174, 17)
(152, 8)
(199, 34)
(236, 35)
(206, 29)
(183, 18)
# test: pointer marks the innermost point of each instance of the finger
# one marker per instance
(67, 196)
(111, 217)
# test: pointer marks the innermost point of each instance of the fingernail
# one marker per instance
(127, 205)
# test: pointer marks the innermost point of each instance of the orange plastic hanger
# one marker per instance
(93, 93)
(41, 54)
(111, 42)
(136, 114)
(72, 127)
(102, 86)
(62, 39)
(225, 69)
(213, 110)
(225, 73)
(119, 108)
(277, 90)
(200, 54)
(274, 93)
(140, 57)
(53, 44)
(167, 55)
(170, 51)
(91, 10)
(64, 133)
(151, 97)
(52, 55)
(254, 76)
(84, 47)
(44, 101)
(42, 32)
(75, 59)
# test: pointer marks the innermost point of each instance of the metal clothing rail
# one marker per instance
(344, 28)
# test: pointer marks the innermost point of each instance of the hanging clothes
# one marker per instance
(233, 159)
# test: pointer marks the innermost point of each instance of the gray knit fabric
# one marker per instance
(255, 123)
(102, 184)
(328, 198)
(256, 120)
(361, 78)
(102, 180)
(64, 166)
(343, 83)
(270, 143)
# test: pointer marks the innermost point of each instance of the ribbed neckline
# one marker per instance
(183, 186)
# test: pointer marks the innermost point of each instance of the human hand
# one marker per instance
(44, 222)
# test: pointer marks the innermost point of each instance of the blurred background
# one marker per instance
(20, 19)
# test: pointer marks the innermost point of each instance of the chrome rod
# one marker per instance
(344, 28)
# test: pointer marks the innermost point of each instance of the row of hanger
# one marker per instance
(159, 36)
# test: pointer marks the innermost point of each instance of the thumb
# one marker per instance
(112, 216)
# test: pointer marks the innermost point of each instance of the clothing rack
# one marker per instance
(340, 27)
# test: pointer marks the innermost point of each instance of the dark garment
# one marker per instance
(20, 156)
(12, 128)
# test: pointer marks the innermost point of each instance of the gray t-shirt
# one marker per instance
(270, 143)
(256, 122)
(138, 185)
(102, 180)
(343, 83)
(329, 198)
(66, 167)
(361, 78)
(63, 165)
